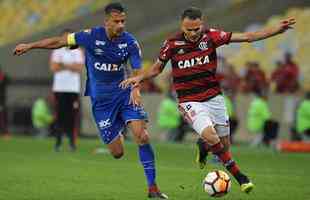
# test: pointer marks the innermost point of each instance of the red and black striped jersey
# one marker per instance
(194, 64)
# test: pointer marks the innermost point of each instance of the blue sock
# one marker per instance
(147, 160)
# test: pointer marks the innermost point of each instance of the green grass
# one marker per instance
(30, 170)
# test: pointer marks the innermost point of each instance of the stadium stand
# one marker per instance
(36, 15)
(271, 51)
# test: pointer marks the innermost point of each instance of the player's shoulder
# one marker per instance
(175, 39)
(215, 32)
(129, 37)
(93, 31)
(210, 31)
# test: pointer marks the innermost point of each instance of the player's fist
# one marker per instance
(287, 24)
(21, 49)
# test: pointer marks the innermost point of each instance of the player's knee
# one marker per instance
(142, 138)
(118, 155)
(209, 134)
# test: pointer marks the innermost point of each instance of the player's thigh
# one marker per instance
(217, 110)
(139, 131)
(196, 116)
(108, 121)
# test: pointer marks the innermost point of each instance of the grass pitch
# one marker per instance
(31, 170)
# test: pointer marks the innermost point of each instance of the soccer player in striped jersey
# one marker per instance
(108, 48)
(193, 57)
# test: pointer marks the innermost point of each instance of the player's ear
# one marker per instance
(106, 19)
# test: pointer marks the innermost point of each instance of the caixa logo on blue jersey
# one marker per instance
(108, 67)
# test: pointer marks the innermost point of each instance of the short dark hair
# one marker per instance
(192, 13)
(114, 7)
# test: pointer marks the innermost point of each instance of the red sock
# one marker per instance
(225, 157)
(153, 189)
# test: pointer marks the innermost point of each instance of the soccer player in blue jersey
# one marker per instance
(108, 49)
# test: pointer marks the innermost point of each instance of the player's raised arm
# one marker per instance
(156, 69)
(48, 43)
(283, 26)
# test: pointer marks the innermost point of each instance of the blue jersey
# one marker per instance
(106, 60)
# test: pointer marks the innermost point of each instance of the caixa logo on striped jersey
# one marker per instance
(108, 67)
(196, 61)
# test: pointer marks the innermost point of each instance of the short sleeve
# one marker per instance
(55, 56)
(79, 56)
(220, 37)
(81, 38)
(135, 55)
(165, 52)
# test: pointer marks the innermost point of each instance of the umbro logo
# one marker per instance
(99, 43)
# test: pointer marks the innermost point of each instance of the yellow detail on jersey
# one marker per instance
(87, 30)
(71, 39)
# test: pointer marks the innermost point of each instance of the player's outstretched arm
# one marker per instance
(283, 26)
(48, 43)
(156, 69)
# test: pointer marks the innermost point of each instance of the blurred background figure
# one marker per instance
(169, 118)
(290, 88)
(230, 79)
(233, 118)
(278, 78)
(300, 134)
(303, 118)
(3, 105)
(254, 79)
(42, 117)
(260, 122)
(291, 72)
(67, 65)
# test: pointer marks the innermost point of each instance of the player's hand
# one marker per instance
(21, 49)
(287, 24)
(135, 97)
(133, 81)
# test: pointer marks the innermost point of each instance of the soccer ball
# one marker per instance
(217, 183)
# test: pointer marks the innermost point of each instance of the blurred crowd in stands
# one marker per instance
(38, 15)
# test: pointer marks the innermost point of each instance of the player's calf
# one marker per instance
(225, 156)
(202, 153)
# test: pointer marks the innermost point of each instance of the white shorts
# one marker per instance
(200, 115)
